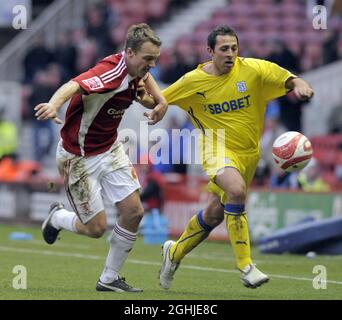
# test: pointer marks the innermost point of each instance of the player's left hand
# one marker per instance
(303, 91)
(157, 113)
(47, 111)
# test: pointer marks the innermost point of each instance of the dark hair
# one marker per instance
(138, 34)
(220, 31)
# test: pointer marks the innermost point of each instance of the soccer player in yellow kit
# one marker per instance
(227, 94)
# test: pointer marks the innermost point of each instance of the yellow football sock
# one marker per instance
(237, 226)
(196, 231)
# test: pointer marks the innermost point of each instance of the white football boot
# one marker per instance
(168, 267)
(252, 277)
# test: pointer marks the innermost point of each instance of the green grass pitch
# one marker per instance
(70, 268)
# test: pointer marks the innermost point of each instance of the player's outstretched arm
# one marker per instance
(300, 87)
(143, 97)
(160, 103)
(49, 110)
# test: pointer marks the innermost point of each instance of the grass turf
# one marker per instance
(69, 270)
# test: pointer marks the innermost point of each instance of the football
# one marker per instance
(292, 151)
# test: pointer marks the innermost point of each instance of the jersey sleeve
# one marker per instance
(102, 78)
(273, 79)
(178, 93)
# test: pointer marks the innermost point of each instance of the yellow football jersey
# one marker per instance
(234, 102)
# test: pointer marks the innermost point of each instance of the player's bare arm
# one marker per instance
(49, 110)
(160, 105)
(143, 97)
(301, 88)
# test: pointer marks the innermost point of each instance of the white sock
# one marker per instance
(121, 243)
(64, 219)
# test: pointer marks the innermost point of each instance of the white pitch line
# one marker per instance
(266, 260)
(61, 245)
(50, 253)
(151, 263)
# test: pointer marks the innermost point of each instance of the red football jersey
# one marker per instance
(93, 116)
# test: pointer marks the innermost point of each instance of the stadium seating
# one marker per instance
(130, 12)
(256, 21)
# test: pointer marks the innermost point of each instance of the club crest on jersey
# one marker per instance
(241, 86)
(93, 83)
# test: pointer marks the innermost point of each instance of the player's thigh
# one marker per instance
(117, 185)
(131, 206)
(83, 189)
(232, 183)
(121, 187)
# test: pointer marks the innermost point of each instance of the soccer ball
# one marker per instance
(292, 151)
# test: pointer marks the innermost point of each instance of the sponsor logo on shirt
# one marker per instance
(227, 106)
(201, 93)
(93, 83)
(116, 114)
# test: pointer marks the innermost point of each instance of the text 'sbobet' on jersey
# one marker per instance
(227, 106)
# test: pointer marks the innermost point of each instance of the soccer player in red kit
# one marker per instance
(91, 160)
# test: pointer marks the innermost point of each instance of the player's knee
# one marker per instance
(136, 213)
(238, 194)
(96, 230)
(139, 213)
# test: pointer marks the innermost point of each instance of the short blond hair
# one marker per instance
(138, 34)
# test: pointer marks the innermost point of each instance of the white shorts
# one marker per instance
(88, 179)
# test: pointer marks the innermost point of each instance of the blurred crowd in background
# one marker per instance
(264, 32)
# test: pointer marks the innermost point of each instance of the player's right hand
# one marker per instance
(157, 113)
(47, 111)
